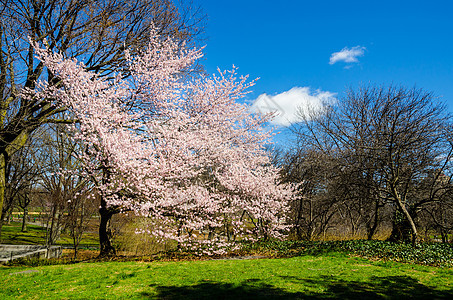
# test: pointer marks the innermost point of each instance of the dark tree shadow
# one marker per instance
(246, 290)
(391, 287)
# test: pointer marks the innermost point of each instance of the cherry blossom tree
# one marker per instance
(182, 152)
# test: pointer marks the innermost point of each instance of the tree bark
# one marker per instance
(24, 220)
(2, 188)
(1, 225)
(410, 221)
(106, 248)
(407, 220)
(53, 231)
(372, 229)
(403, 230)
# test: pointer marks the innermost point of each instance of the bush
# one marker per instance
(433, 254)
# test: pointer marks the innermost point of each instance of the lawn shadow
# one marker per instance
(250, 289)
(390, 287)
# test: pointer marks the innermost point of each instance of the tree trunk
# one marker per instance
(53, 231)
(2, 188)
(24, 220)
(444, 235)
(371, 230)
(403, 229)
(1, 225)
(104, 238)
(9, 216)
(76, 243)
(407, 222)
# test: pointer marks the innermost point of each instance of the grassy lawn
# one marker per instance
(36, 235)
(304, 277)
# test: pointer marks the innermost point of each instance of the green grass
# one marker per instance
(331, 275)
(36, 235)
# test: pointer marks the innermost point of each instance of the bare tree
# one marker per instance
(437, 216)
(94, 31)
(315, 207)
(80, 211)
(64, 194)
(22, 174)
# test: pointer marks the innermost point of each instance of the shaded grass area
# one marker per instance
(11, 234)
(36, 235)
(304, 277)
(392, 287)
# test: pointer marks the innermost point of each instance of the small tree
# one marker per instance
(80, 211)
(64, 191)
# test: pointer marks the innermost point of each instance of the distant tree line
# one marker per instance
(378, 159)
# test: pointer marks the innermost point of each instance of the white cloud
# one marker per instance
(291, 104)
(348, 55)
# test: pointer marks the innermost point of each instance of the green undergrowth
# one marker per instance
(429, 254)
(433, 254)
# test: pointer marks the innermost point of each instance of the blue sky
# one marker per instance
(291, 44)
